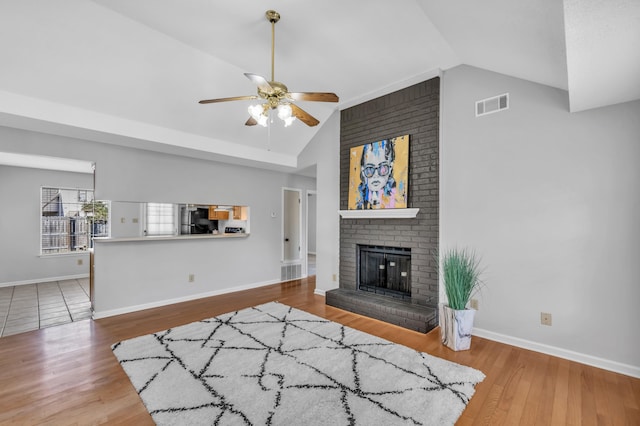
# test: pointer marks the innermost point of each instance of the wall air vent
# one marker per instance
(290, 272)
(491, 105)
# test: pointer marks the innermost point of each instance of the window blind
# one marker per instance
(160, 219)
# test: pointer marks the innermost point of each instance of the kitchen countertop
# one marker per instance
(170, 237)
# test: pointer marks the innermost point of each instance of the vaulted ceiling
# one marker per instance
(132, 72)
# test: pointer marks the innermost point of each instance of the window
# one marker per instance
(160, 219)
(69, 219)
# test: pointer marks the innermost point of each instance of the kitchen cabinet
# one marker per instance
(218, 214)
(239, 212)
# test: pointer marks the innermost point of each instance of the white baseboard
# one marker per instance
(320, 292)
(135, 308)
(44, 280)
(617, 367)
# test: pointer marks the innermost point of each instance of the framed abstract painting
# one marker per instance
(378, 174)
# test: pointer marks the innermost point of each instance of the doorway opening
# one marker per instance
(311, 224)
(291, 234)
(54, 287)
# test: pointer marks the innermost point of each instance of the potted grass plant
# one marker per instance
(461, 272)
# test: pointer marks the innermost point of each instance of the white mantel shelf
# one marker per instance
(379, 214)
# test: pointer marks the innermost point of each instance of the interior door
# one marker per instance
(291, 224)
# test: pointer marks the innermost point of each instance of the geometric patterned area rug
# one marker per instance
(276, 365)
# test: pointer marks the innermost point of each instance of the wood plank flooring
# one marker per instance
(67, 375)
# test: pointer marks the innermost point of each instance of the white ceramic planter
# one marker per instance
(456, 327)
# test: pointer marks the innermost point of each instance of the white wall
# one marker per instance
(133, 275)
(551, 201)
(20, 260)
(323, 150)
(124, 215)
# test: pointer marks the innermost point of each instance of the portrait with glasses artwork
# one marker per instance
(378, 174)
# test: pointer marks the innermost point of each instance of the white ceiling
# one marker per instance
(131, 72)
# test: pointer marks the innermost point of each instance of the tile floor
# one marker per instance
(33, 306)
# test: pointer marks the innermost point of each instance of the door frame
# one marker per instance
(282, 225)
(310, 192)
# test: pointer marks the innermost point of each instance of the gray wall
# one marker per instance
(551, 201)
(20, 260)
(135, 275)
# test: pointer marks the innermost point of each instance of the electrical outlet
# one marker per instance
(123, 220)
(192, 278)
(134, 220)
(80, 262)
(545, 318)
(474, 304)
(335, 277)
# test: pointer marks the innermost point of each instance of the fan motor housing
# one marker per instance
(274, 96)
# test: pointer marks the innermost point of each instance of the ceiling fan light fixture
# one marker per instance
(258, 113)
(263, 120)
(285, 114)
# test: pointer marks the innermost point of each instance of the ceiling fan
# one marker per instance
(276, 95)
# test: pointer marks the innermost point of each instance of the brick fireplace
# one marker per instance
(413, 111)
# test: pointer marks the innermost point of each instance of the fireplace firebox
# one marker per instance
(384, 270)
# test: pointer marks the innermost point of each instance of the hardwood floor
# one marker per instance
(68, 375)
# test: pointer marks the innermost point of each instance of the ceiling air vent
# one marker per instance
(491, 105)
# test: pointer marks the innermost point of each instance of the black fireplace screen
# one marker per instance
(385, 270)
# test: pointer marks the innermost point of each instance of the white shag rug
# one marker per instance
(276, 365)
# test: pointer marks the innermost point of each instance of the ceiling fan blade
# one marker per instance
(251, 122)
(235, 98)
(260, 81)
(313, 96)
(303, 116)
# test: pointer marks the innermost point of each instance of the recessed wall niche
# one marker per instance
(413, 111)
